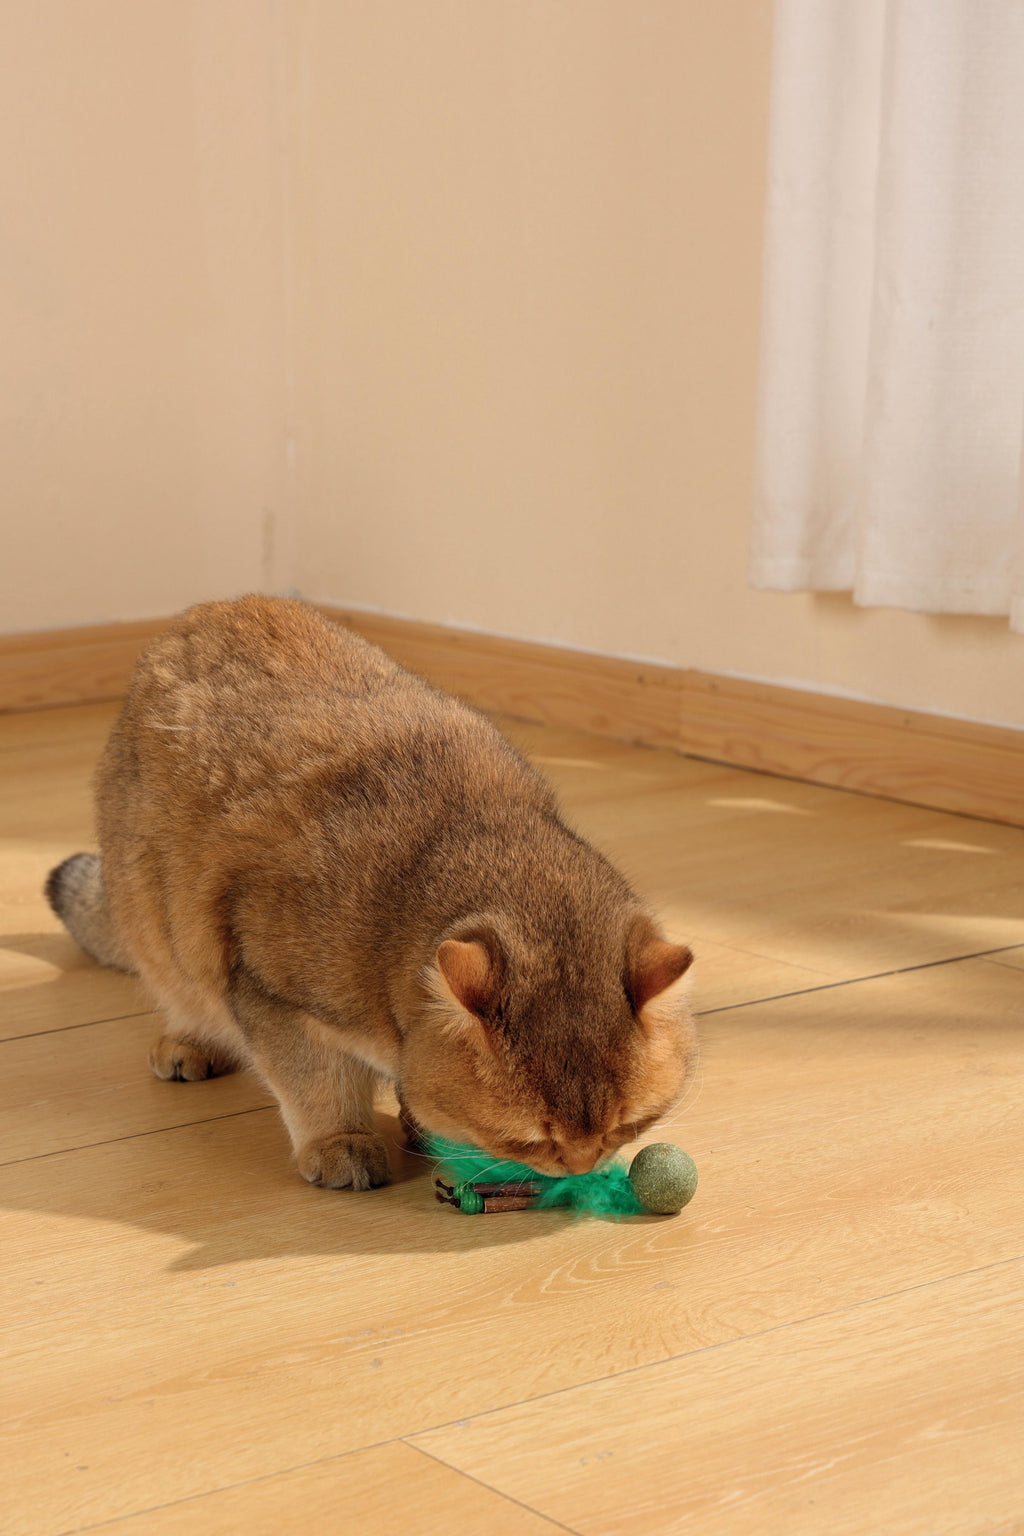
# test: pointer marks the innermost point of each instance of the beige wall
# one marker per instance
(140, 306)
(491, 268)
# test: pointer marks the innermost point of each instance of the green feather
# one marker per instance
(606, 1191)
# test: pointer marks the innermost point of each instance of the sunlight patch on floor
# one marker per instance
(27, 970)
(753, 803)
(946, 845)
(570, 762)
(978, 930)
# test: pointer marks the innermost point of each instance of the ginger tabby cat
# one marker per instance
(329, 872)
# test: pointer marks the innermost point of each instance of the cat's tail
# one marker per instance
(76, 892)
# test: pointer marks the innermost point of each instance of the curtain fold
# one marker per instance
(891, 391)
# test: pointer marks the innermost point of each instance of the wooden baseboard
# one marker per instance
(898, 754)
(71, 666)
(949, 765)
(630, 701)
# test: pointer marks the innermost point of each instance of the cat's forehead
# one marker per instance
(570, 996)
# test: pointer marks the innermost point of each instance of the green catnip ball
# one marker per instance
(663, 1178)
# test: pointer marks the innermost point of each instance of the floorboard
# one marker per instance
(387, 1490)
(194, 1340)
(103, 1090)
(899, 1416)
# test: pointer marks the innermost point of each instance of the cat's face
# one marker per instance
(546, 1064)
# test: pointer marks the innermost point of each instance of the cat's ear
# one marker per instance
(652, 963)
(473, 974)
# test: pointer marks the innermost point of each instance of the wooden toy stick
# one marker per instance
(481, 1196)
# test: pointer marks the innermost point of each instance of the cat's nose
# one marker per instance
(579, 1159)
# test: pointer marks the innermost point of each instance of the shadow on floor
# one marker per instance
(227, 1189)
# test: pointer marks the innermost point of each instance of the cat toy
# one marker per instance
(660, 1180)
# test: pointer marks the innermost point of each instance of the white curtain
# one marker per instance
(891, 395)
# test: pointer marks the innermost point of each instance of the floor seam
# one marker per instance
(1005, 963)
(853, 981)
(242, 1482)
(61, 1029)
(304, 1466)
(754, 954)
(411, 1436)
(499, 1492)
(847, 789)
(184, 1125)
(704, 1013)
(705, 1349)
(770, 997)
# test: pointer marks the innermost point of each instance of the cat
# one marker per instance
(327, 870)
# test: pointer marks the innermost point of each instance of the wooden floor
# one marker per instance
(830, 1339)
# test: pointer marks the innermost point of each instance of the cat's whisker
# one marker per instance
(694, 1089)
(438, 1161)
(687, 1102)
(693, 1092)
(485, 1171)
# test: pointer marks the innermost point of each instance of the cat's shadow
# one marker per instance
(228, 1190)
(224, 1183)
(55, 949)
(66, 971)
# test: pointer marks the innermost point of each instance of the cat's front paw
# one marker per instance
(182, 1059)
(347, 1160)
